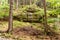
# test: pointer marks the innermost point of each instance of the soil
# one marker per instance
(30, 33)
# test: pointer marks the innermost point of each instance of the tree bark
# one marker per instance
(17, 4)
(45, 16)
(30, 2)
(10, 25)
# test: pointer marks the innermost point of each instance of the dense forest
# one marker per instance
(29, 19)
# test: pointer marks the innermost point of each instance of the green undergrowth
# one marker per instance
(39, 26)
(17, 24)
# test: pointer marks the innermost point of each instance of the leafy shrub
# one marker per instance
(4, 11)
(32, 11)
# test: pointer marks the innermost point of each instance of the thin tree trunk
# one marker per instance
(47, 27)
(45, 16)
(30, 2)
(17, 4)
(10, 26)
(23, 3)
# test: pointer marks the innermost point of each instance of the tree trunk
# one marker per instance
(17, 4)
(48, 30)
(30, 2)
(45, 16)
(10, 26)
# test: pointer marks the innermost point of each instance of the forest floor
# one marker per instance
(25, 31)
